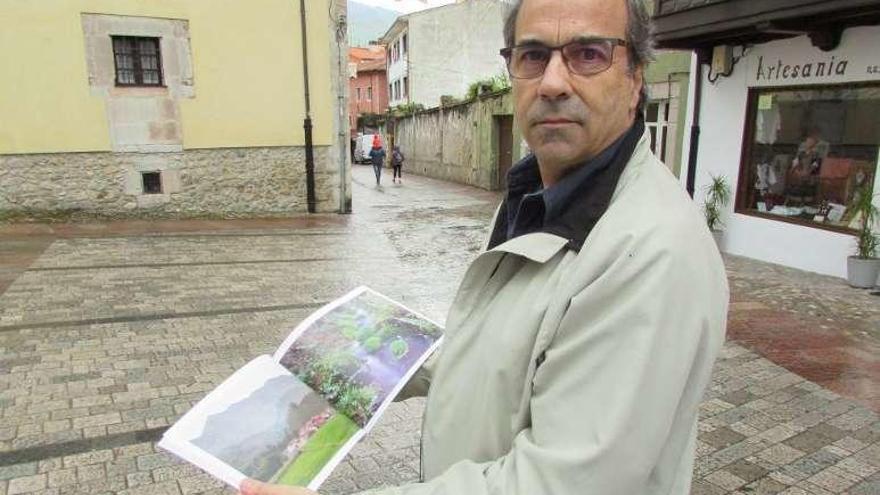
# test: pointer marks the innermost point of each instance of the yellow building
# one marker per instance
(166, 108)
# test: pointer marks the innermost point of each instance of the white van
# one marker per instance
(363, 145)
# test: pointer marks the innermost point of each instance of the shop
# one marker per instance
(793, 124)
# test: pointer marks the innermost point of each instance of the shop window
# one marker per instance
(152, 182)
(137, 61)
(809, 153)
(657, 122)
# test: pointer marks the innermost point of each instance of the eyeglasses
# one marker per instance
(584, 57)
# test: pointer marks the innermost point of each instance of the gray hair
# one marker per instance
(639, 38)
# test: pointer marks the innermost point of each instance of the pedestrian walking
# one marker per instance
(582, 339)
(397, 159)
(377, 155)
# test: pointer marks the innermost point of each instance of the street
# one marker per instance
(110, 332)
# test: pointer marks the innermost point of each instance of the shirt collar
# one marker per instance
(560, 195)
(572, 206)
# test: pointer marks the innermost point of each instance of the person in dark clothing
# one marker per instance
(377, 155)
(397, 159)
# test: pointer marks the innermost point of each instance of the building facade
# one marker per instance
(787, 106)
(136, 108)
(442, 51)
(368, 84)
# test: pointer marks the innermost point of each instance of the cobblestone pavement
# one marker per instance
(813, 325)
(110, 332)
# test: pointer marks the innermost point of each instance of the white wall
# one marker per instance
(453, 46)
(722, 123)
(398, 69)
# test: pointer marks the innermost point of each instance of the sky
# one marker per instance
(406, 6)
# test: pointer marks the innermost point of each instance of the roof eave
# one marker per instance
(398, 26)
(737, 22)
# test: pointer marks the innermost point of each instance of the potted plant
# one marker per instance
(717, 198)
(863, 269)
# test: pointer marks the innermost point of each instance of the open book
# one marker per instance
(290, 418)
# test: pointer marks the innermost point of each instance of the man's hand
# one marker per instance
(254, 487)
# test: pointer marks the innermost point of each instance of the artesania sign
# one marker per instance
(797, 62)
(811, 71)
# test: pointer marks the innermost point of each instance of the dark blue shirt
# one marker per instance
(530, 206)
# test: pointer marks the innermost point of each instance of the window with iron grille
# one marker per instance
(152, 182)
(138, 61)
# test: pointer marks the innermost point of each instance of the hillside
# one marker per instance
(367, 23)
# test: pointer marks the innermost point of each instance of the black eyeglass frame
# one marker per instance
(507, 52)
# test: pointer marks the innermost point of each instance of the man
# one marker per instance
(377, 156)
(580, 343)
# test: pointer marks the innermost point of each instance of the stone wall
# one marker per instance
(226, 183)
(457, 143)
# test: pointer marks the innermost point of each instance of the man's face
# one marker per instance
(569, 118)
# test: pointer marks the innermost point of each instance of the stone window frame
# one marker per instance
(174, 43)
(144, 187)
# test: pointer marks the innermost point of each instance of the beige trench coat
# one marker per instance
(572, 373)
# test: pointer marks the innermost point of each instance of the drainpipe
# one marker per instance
(695, 127)
(344, 130)
(307, 123)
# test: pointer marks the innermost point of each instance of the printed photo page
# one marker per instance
(291, 418)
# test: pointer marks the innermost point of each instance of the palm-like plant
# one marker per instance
(867, 242)
(717, 197)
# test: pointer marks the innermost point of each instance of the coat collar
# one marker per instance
(539, 247)
(571, 228)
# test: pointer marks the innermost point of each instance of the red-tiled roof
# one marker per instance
(358, 54)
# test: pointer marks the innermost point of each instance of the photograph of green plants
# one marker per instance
(356, 354)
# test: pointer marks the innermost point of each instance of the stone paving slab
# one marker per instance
(808, 325)
(828, 301)
(196, 249)
(82, 402)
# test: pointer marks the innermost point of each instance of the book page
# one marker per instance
(359, 351)
(262, 423)
(291, 418)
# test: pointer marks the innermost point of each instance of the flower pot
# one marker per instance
(862, 272)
